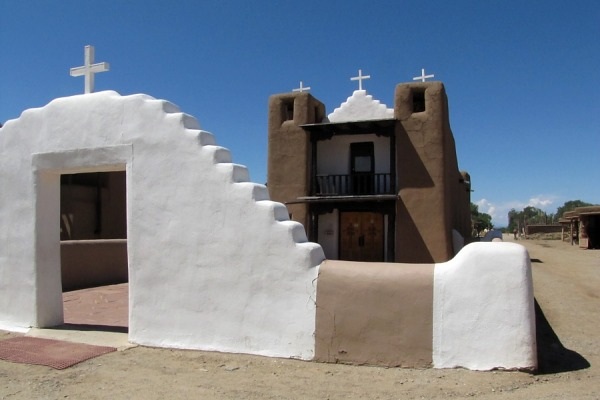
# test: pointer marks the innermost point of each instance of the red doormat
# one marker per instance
(52, 353)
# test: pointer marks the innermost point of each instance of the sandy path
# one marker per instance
(566, 282)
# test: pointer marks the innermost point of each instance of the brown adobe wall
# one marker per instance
(532, 229)
(78, 209)
(462, 214)
(90, 263)
(289, 149)
(426, 170)
(587, 210)
(458, 183)
(375, 314)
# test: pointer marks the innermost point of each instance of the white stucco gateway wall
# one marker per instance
(483, 309)
(213, 263)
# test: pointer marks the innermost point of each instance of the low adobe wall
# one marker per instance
(533, 229)
(374, 313)
(475, 311)
(89, 263)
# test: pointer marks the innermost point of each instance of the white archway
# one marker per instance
(47, 169)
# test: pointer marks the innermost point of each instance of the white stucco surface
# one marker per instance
(213, 263)
(483, 309)
(333, 155)
(360, 106)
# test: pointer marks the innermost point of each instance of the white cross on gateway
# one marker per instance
(89, 69)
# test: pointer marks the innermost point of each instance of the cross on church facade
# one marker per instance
(360, 78)
(301, 88)
(89, 69)
(423, 76)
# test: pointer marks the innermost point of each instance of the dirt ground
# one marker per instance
(566, 281)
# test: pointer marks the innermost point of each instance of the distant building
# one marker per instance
(371, 183)
(583, 225)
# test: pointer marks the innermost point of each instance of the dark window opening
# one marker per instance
(362, 167)
(94, 179)
(418, 100)
(288, 111)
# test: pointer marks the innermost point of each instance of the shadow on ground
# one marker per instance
(553, 357)
(86, 327)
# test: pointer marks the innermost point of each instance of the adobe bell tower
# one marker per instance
(289, 149)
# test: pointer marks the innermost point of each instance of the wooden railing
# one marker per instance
(353, 185)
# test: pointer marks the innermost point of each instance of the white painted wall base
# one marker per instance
(483, 309)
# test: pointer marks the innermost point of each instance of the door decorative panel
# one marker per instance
(361, 236)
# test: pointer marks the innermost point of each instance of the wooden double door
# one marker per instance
(362, 236)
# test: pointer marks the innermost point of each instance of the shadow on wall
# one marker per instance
(412, 171)
(411, 246)
(553, 357)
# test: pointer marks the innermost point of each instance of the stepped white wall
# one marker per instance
(213, 263)
(360, 106)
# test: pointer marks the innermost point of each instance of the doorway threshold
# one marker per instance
(97, 316)
(84, 334)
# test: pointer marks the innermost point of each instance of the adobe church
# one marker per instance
(371, 183)
(214, 264)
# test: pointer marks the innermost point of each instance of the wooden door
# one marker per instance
(361, 236)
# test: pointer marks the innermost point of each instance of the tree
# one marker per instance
(515, 220)
(480, 220)
(533, 215)
(570, 206)
(529, 216)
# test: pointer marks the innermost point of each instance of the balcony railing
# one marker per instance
(353, 185)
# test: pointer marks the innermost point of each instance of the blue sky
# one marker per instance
(522, 77)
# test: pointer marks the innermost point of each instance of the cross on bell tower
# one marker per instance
(89, 69)
(360, 78)
(423, 76)
(301, 88)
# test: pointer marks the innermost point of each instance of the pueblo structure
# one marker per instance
(583, 225)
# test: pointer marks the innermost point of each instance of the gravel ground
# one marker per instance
(566, 282)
